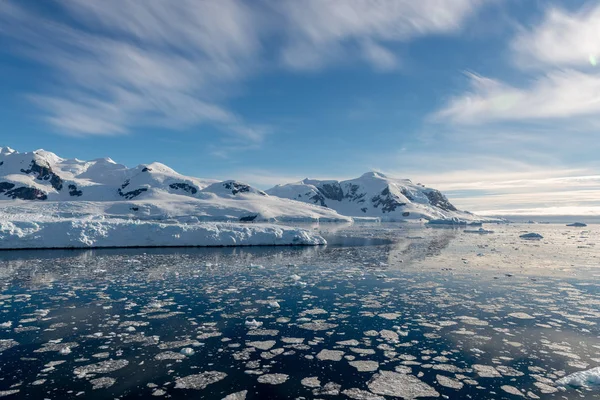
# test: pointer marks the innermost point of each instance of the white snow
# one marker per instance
(103, 232)
(589, 379)
(374, 195)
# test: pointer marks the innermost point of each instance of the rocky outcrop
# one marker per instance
(44, 173)
(184, 186)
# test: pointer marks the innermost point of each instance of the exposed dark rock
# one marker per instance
(437, 199)
(319, 199)
(124, 185)
(407, 194)
(44, 173)
(387, 201)
(184, 186)
(26, 193)
(4, 186)
(405, 214)
(237, 187)
(1, 163)
(353, 195)
(248, 218)
(332, 191)
(364, 209)
(132, 194)
(134, 208)
(74, 192)
(146, 169)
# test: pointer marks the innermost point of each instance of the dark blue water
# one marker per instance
(527, 329)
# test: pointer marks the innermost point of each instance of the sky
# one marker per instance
(494, 102)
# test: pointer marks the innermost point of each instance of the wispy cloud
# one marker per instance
(322, 32)
(118, 66)
(555, 95)
(563, 38)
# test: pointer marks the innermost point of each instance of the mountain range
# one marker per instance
(49, 184)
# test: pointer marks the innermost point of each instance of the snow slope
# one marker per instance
(101, 232)
(374, 195)
(68, 188)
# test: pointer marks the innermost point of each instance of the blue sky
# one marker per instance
(496, 102)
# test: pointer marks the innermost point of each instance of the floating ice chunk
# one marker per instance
(365, 366)
(273, 379)
(102, 383)
(274, 304)
(512, 390)
(449, 382)
(64, 351)
(264, 345)
(295, 277)
(187, 351)
(199, 381)
(6, 344)
(531, 236)
(317, 326)
(358, 394)
(6, 325)
(253, 323)
(486, 371)
(577, 224)
(589, 379)
(330, 355)
(102, 367)
(407, 386)
(311, 382)
(520, 315)
(237, 396)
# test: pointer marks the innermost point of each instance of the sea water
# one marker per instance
(384, 311)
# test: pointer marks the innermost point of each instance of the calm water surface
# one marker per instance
(381, 312)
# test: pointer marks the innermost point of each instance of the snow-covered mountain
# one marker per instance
(55, 187)
(58, 187)
(374, 195)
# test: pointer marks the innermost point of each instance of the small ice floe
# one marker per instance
(102, 367)
(273, 379)
(6, 344)
(512, 390)
(274, 304)
(187, 351)
(252, 323)
(531, 236)
(449, 382)
(480, 231)
(237, 396)
(406, 386)
(262, 345)
(199, 381)
(6, 325)
(589, 379)
(365, 366)
(102, 383)
(577, 224)
(64, 351)
(358, 394)
(330, 355)
(520, 315)
(295, 277)
(311, 382)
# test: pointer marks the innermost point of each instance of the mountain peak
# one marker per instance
(374, 174)
(6, 150)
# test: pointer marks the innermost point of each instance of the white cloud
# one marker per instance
(321, 32)
(563, 38)
(139, 64)
(124, 64)
(555, 95)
